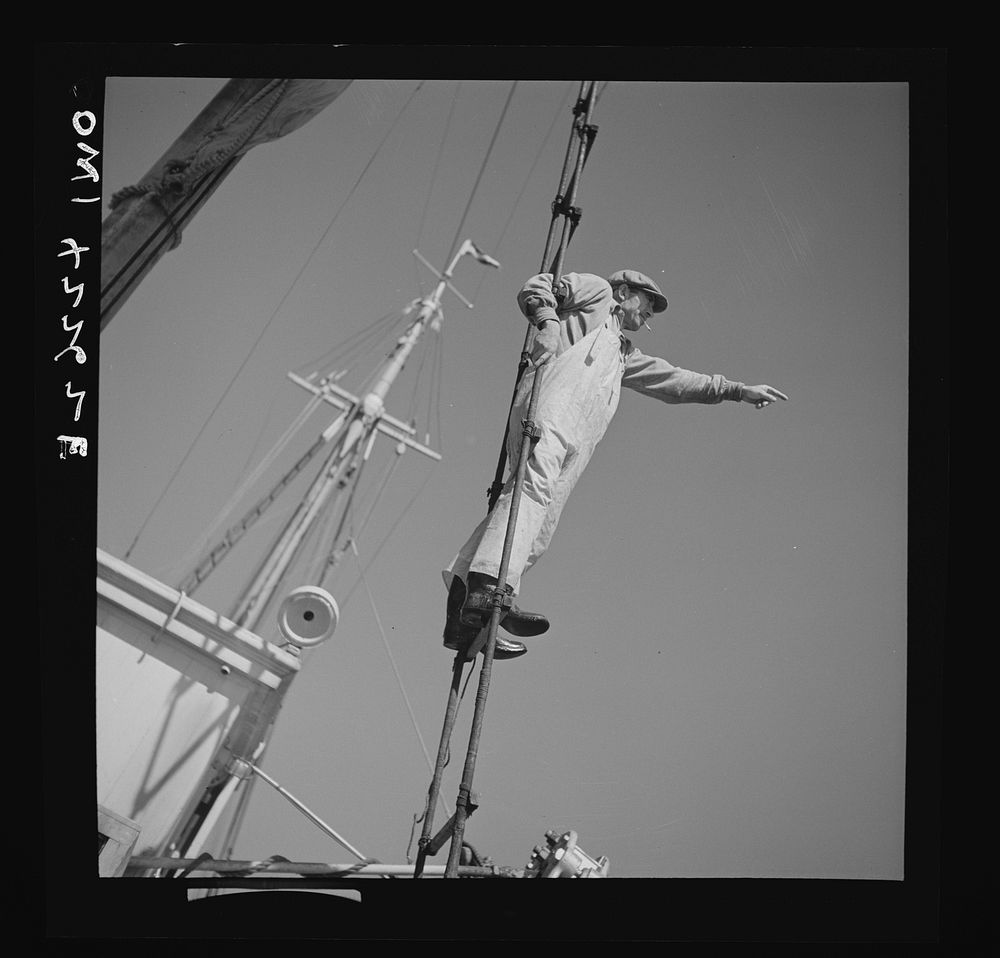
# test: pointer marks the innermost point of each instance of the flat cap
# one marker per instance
(640, 281)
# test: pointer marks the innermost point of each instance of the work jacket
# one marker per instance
(580, 303)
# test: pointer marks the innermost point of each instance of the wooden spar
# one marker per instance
(146, 220)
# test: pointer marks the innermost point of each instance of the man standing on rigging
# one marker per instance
(580, 325)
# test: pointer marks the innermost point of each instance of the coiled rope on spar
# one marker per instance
(182, 173)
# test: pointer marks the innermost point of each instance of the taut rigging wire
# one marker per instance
(387, 536)
(581, 137)
(524, 185)
(323, 538)
(395, 669)
(352, 541)
(479, 176)
(250, 479)
(430, 188)
(364, 568)
(267, 325)
(454, 244)
(416, 380)
(355, 346)
(352, 345)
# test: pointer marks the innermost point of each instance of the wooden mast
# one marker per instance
(147, 219)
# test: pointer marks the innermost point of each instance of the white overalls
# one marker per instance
(580, 390)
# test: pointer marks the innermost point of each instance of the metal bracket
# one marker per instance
(501, 598)
(561, 208)
(435, 844)
(531, 429)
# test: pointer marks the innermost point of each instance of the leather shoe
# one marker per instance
(460, 635)
(457, 634)
(505, 649)
(479, 605)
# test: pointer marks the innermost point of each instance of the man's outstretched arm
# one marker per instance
(655, 377)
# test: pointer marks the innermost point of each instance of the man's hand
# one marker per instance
(546, 344)
(762, 396)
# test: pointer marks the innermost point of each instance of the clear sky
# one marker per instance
(722, 691)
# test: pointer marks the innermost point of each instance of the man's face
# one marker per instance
(636, 308)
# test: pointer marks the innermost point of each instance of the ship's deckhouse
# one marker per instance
(178, 688)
